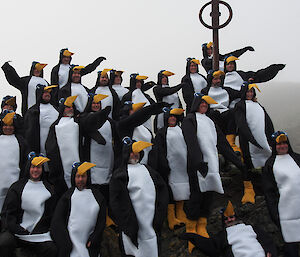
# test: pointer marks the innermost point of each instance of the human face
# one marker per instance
(209, 51)
(69, 111)
(117, 80)
(80, 181)
(230, 66)
(229, 221)
(138, 84)
(96, 106)
(36, 72)
(76, 76)
(172, 121)
(134, 158)
(193, 67)
(216, 81)
(8, 107)
(282, 148)
(164, 80)
(35, 172)
(103, 80)
(249, 94)
(46, 96)
(66, 60)
(203, 107)
(8, 130)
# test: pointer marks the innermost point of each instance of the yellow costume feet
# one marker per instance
(249, 194)
(231, 141)
(180, 214)
(201, 227)
(172, 221)
(191, 227)
(109, 221)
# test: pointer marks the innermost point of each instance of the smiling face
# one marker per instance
(8, 129)
(250, 94)
(164, 80)
(36, 72)
(80, 181)
(209, 51)
(103, 80)
(68, 111)
(172, 121)
(134, 158)
(193, 67)
(216, 81)
(117, 80)
(76, 76)
(35, 172)
(96, 106)
(282, 148)
(46, 96)
(203, 107)
(66, 60)
(229, 221)
(230, 66)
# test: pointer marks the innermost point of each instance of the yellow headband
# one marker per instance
(229, 210)
(168, 73)
(231, 59)
(253, 85)
(218, 73)
(40, 66)
(9, 118)
(99, 97)
(281, 138)
(70, 100)
(84, 167)
(67, 53)
(137, 106)
(209, 99)
(140, 146)
(195, 61)
(177, 111)
(11, 101)
(36, 161)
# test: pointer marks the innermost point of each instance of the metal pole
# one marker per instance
(215, 23)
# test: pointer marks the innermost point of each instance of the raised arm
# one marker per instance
(92, 66)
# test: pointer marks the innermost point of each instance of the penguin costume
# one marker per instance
(112, 100)
(63, 145)
(170, 160)
(207, 61)
(26, 85)
(281, 188)
(27, 211)
(121, 91)
(79, 218)
(12, 155)
(237, 239)
(138, 200)
(193, 82)
(164, 93)
(254, 127)
(137, 93)
(74, 87)
(38, 120)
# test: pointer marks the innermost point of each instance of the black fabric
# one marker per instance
(291, 249)
(128, 97)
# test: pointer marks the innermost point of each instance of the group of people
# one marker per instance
(81, 158)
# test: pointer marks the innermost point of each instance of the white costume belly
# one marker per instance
(108, 101)
(121, 91)
(63, 74)
(33, 82)
(82, 221)
(48, 114)
(67, 135)
(141, 133)
(234, 81)
(142, 194)
(255, 117)
(9, 165)
(198, 82)
(177, 159)
(207, 139)
(102, 156)
(82, 96)
(33, 200)
(243, 241)
(221, 96)
(287, 176)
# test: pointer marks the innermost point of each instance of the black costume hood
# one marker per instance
(97, 84)
(245, 89)
(231, 61)
(71, 73)
(204, 50)
(188, 64)
(132, 84)
(30, 157)
(127, 149)
(179, 118)
(159, 77)
(197, 101)
(61, 55)
(112, 77)
(17, 127)
(5, 98)
(33, 67)
(75, 170)
(61, 108)
(273, 144)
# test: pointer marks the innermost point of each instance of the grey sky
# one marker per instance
(144, 36)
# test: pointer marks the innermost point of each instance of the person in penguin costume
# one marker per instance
(12, 155)
(27, 212)
(164, 93)
(254, 127)
(207, 51)
(103, 87)
(137, 94)
(170, 160)
(26, 85)
(236, 239)
(204, 139)
(116, 83)
(193, 82)
(39, 118)
(63, 144)
(79, 218)
(281, 180)
(74, 87)
(138, 200)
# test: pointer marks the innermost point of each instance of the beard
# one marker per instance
(133, 161)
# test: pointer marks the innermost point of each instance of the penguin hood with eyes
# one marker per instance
(9, 100)
(245, 89)
(132, 84)
(177, 112)
(188, 64)
(275, 137)
(71, 73)
(198, 99)
(228, 59)
(113, 74)
(204, 50)
(83, 167)
(32, 69)
(35, 159)
(40, 89)
(62, 106)
(97, 84)
(62, 53)
(12, 120)
(159, 78)
(129, 146)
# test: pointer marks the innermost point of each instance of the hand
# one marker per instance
(250, 80)
(89, 244)
(250, 48)
(281, 66)
(269, 254)
(101, 58)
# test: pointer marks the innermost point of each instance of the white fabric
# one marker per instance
(36, 238)
(33, 199)
(48, 114)
(243, 241)
(141, 133)
(287, 176)
(221, 96)
(198, 82)
(221, 63)
(82, 96)
(139, 97)
(63, 74)
(207, 139)
(142, 194)
(255, 117)
(67, 135)
(108, 101)
(33, 82)
(121, 91)
(82, 221)
(9, 164)
(102, 156)
(177, 159)
(233, 80)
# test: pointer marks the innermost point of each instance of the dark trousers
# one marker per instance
(8, 244)
(291, 249)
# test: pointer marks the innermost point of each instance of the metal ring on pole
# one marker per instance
(220, 26)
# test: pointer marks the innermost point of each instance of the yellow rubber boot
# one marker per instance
(201, 227)
(191, 227)
(180, 214)
(109, 221)
(172, 221)
(249, 194)
(231, 141)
